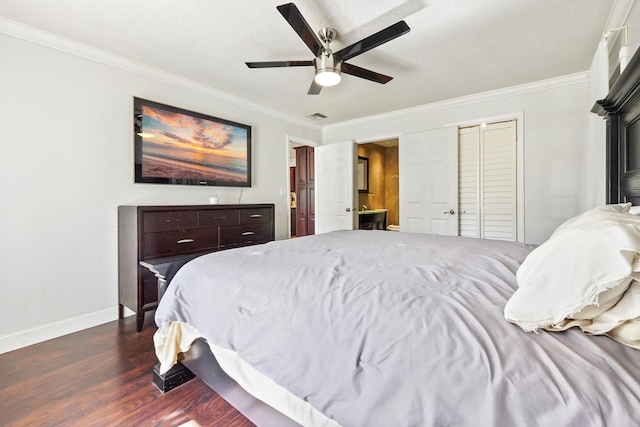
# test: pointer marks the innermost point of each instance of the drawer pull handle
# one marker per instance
(185, 241)
(248, 233)
(256, 216)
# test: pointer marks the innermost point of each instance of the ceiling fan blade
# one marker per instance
(293, 16)
(314, 89)
(273, 64)
(363, 73)
(374, 40)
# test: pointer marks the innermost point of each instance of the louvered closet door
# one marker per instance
(487, 181)
(468, 181)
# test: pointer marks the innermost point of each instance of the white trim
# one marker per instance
(47, 331)
(543, 85)
(303, 141)
(31, 34)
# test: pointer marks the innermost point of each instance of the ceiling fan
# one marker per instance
(329, 65)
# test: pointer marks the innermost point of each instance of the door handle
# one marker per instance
(450, 212)
(348, 209)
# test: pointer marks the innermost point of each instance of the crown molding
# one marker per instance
(34, 35)
(25, 32)
(539, 86)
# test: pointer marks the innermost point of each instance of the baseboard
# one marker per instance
(36, 334)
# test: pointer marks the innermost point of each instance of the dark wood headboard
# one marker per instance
(621, 110)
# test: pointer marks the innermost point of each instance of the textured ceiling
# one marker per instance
(454, 48)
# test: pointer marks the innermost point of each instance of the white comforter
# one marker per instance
(396, 329)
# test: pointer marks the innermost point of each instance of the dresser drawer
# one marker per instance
(255, 216)
(169, 220)
(218, 217)
(179, 242)
(243, 235)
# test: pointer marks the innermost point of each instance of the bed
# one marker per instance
(374, 328)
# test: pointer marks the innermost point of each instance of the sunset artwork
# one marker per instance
(191, 148)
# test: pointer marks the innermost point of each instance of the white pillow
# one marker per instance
(586, 256)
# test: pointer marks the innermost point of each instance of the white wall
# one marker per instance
(554, 128)
(595, 133)
(67, 163)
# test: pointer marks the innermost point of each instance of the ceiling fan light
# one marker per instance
(328, 77)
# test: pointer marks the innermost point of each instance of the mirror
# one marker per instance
(363, 174)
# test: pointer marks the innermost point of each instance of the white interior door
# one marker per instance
(428, 164)
(335, 194)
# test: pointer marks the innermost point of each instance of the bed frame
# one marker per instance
(620, 109)
(201, 362)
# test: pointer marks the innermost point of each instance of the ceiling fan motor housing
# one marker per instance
(326, 62)
(327, 66)
(327, 69)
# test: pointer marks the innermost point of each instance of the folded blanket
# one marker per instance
(620, 321)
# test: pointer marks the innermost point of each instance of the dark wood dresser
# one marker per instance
(157, 234)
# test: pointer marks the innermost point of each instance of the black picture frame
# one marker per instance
(182, 147)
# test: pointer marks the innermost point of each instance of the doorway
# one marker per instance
(301, 186)
(380, 190)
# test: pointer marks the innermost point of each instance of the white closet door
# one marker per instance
(469, 181)
(498, 189)
(428, 182)
(488, 181)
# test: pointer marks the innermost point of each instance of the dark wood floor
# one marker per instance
(101, 377)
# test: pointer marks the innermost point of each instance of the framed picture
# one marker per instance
(363, 174)
(177, 146)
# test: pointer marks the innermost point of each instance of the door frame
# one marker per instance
(519, 118)
(290, 141)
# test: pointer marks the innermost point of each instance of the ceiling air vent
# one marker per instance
(317, 116)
